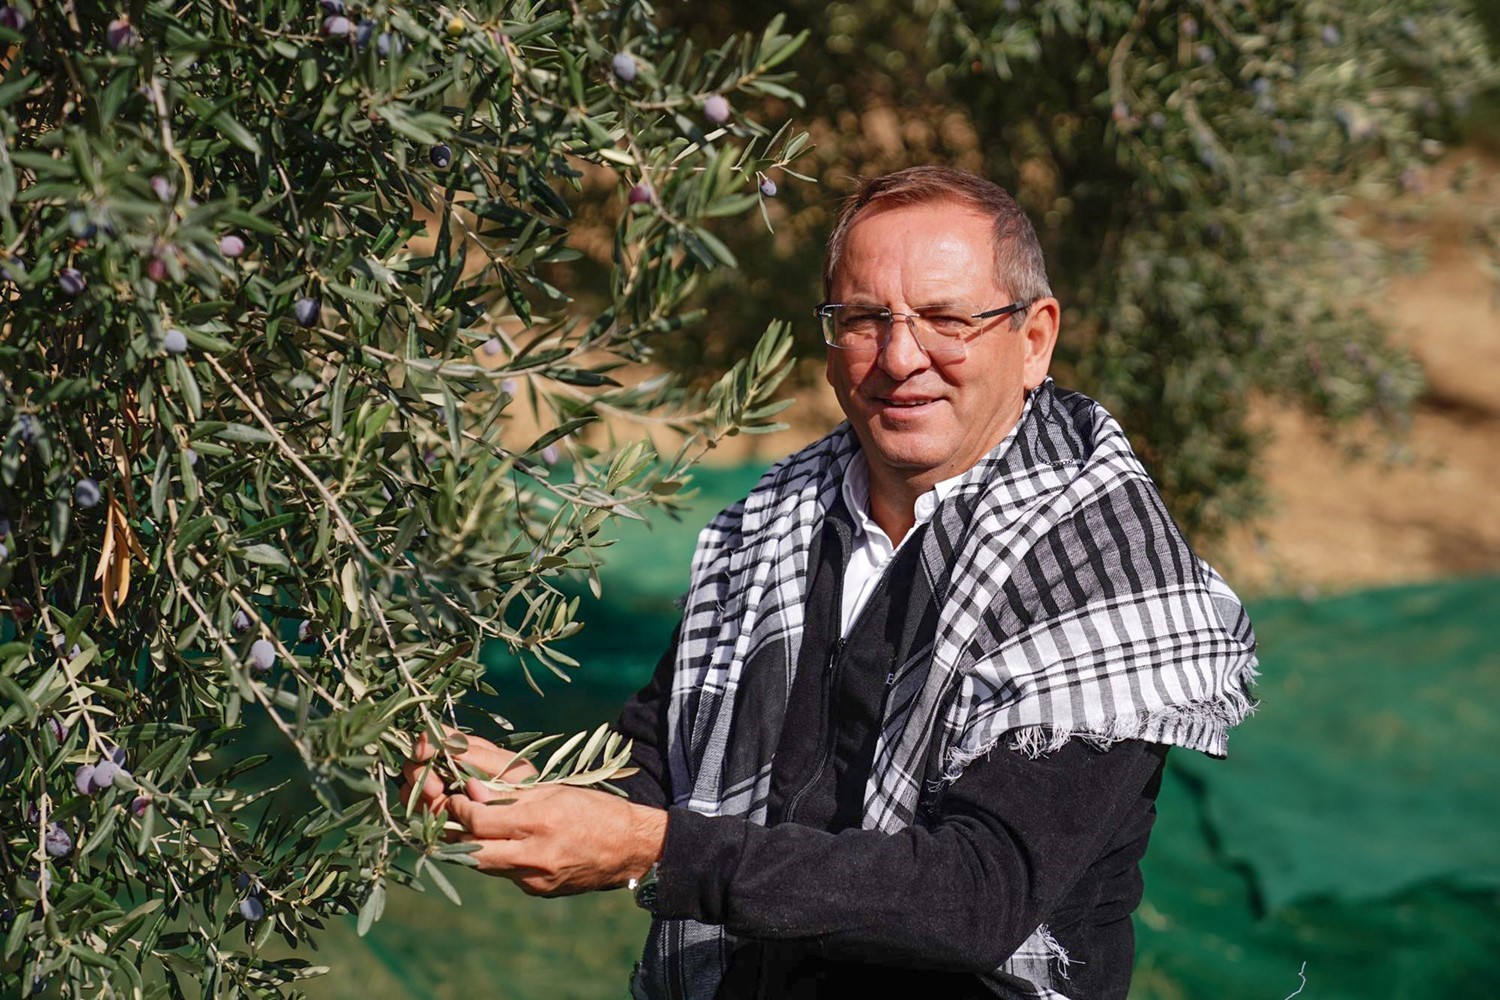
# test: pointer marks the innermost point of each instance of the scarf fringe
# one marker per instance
(1213, 719)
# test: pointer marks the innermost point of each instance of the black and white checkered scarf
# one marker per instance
(1070, 606)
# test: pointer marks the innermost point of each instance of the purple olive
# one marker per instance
(120, 35)
(86, 492)
(156, 270)
(306, 310)
(332, 6)
(83, 779)
(13, 269)
(4, 552)
(641, 194)
(59, 731)
(231, 246)
(252, 909)
(440, 155)
(768, 187)
(336, 26)
(1206, 54)
(175, 342)
(140, 804)
(241, 623)
(1190, 27)
(117, 756)
(362, 33)
(27, 424)
(59, 842)
(492, 347)
(550, 454)
(71, 281)
(12, 18)
(104, 775)
(716, 109)
(387, 42)
(306, 631)
(162, 188)
(191, 456)
(262, 655)
(623, 66)
(242, 882)
(1332, 35)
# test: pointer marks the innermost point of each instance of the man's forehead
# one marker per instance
(937, 249)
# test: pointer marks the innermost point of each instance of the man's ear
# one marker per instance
(1038, 338)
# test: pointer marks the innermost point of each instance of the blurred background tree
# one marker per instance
(1192, 167)
(290, 415)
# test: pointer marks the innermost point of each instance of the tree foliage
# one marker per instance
(1192, 167)
(295, 417)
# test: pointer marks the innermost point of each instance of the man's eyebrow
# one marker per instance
(942, 304)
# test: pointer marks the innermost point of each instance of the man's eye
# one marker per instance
(944, 323)
(864, 318)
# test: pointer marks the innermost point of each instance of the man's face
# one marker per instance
(921, 418)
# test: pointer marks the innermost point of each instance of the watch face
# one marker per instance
(645, 890)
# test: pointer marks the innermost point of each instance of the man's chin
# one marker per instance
(906, 454)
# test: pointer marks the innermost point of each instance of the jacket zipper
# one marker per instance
(831, 737)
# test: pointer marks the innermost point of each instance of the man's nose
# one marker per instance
(902, 355)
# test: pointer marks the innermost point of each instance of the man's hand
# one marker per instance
(556, 840)
(552, 840)
(481, 754)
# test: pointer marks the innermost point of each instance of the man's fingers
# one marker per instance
(433, 792)
(478, 792)
(481, 754)
(501, 857)
(484, 821)
(492, 760)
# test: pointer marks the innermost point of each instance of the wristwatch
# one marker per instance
(644, 888)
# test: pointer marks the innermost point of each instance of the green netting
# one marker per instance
(1202, 931)
(1371, 766)
(1350, 828)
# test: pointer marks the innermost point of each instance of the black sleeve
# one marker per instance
(1010, 837)
(643, 721)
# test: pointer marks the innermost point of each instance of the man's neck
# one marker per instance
(893, 498)
(895, 510)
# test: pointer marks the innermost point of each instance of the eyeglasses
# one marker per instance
(940, 330)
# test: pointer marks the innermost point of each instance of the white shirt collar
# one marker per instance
(856, 490)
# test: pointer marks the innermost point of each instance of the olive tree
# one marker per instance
(296, 417)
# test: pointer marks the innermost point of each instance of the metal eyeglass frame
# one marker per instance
(824, 309)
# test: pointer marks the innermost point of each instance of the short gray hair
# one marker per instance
(1018, 256)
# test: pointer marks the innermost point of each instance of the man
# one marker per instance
(912, 726)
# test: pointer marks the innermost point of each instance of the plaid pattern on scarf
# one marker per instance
(1070, 606)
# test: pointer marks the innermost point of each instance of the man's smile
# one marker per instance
(904, 400)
